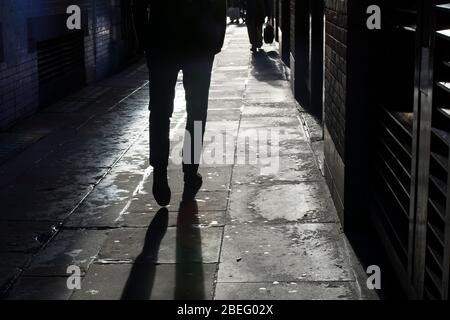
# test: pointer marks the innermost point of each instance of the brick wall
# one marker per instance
(346, 114)
(292, 29)
(104, 47)
(336, 71)
(335, 100)
(284, 25)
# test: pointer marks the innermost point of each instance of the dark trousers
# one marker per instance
(255, 30)
(163, 71)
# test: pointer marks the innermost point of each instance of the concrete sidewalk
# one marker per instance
(79, 193)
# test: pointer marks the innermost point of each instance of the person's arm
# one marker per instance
(141, 22)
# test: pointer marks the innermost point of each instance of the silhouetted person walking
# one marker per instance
(257, 11)
(242, 8)
(178, 35)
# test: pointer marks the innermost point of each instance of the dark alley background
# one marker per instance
(364, 164)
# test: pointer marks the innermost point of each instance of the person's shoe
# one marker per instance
(161, 189)
(192, 184)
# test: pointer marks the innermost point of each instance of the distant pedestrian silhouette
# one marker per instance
(242, 9)
(178, 35)
(256, 13)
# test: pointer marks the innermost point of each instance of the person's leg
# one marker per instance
(259, 35)
(163, 73)
(252, 34)
(196, 80)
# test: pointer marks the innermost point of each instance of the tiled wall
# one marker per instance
(21, 20)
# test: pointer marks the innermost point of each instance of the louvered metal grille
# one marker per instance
(393, 133)
(61, 67)
(437, 251)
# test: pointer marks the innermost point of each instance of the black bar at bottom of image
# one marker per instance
(227, 309)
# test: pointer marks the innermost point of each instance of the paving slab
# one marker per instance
(12, 144)
(40, 288)
(225, 75)
(293, 252)
(230, 94)
(69, 248)
(212, 127)
(179, 245)
(106, 202)
(148, 282)
(281, 203)
(264, 142)
(286, 291)
(289, 168)
(47, 175)
(223, 105)
(270, 122)
(269, 110)
(258, 86)
(47, 205)
(11, 265)
(25, 236)
(224, 114)
(206, 201)
(140, 217)
(101, 150)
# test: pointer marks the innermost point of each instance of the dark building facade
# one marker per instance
(41, 60)
(382, 96)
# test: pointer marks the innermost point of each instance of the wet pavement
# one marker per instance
(76, 190)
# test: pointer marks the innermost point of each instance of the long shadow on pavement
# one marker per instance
(189, 277)
(267, 67)
(189, 281)
(140, 282)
